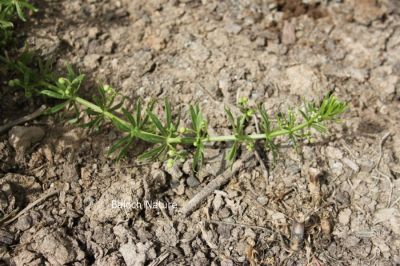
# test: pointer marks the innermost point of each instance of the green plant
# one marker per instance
(29, 70)
(9, 11)
(169, 139)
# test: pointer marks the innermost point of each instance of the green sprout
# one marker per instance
(64, 89)
(10, 10)
(169, 140)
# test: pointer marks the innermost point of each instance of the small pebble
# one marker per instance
(233, 28)
(218, 202)
(351, 164)
(344, 216)
(334, 153)
(24, 223)
(261, 41)
(192, 181)
(22, 138)
(224, 213)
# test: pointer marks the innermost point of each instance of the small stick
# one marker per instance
(376, 168)
(23, 119)
(164, 213)
(160, 259)
(381, 148)
(208, 92)
(215, 184)
(239, 225)
(32, 205)
(390, 184)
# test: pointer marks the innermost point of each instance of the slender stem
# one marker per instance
(191, 140)
(97, 109)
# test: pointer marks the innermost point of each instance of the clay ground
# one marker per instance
(212, 52)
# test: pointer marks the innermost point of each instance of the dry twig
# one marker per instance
(160, 259)
(23, 119)
(239, 225)
(376, 168)
(31, 205)
(381, 148)
(215, 184)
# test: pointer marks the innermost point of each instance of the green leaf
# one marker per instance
(157, 123)
(70, 72)
(149, 108)
(5, 24)
(305, 116)
(270, 146)
(129, 117)
(73, 120)
(177, 121)
(232, 152)
(120, 125)
(152, 153)
(118, 144)
(168, 112)
(199, 122)
(19, 11)
(138, 111)
(266, 124)
(117, 106)
(193, 113)
(198, 157)
(56, 108)
(149, 137)
(124, 149)
(95, 123)
(293, 141)
(240, 123)
(320, 128)
(53, 94)
(230, 118)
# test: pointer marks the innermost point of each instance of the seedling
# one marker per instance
(31, 71)
(9, 11)
(170, 141)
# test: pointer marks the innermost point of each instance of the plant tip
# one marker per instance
(170, 163)
(61, 81)
(13, 82)
(108, 89)
(243, 100)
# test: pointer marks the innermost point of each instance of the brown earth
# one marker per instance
(213, 52)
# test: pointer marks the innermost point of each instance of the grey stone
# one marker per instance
(22, 138)
(198, 52)
(233, 28)
(24, 223)
(288, 33)
(57, 247)
(192, 181)
(91, 61)
(344, 216)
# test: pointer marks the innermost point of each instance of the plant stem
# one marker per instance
(191, 140)
(97, 109)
